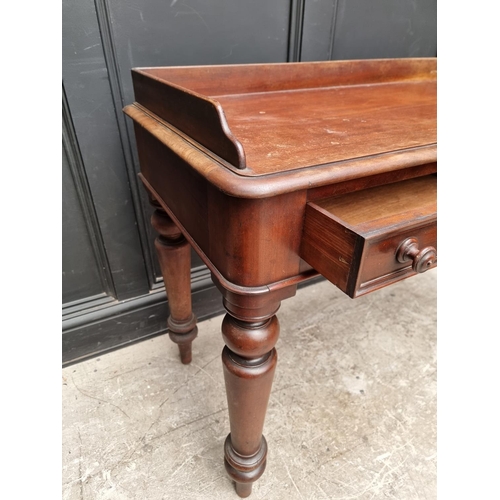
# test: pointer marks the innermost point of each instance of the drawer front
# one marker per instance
(379, 265)
(367, 240)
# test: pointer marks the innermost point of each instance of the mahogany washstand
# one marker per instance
(274, 174)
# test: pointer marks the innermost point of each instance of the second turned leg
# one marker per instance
(249, 361)
(174, 255)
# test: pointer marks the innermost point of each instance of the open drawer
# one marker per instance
(364, 240)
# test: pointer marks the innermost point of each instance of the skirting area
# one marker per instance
(352, 414)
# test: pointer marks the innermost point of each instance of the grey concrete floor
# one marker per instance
(352, 413)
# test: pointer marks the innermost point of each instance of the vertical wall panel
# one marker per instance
(385, 28)
(318, 30)
(90, 101)
(367, 29)
(80, 270)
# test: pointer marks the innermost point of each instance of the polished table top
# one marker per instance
(212, 136)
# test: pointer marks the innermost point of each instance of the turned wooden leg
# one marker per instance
(249, 360)
(174, 255)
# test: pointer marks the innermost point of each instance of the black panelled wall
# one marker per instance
(112, 285)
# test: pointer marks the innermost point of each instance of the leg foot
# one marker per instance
(174, 255)
(243, 489)
(186, 354)
(183, 335)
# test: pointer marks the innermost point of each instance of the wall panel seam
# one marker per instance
(295, 30)
(112, 66)
(334, 25)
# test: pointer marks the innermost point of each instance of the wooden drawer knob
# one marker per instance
(423, 259)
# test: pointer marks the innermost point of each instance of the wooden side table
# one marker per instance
(275, 173)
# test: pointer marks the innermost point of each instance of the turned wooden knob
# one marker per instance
(422, 260)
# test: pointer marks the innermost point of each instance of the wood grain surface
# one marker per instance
(287, 130)
(370, 207)
(352, 239)
(274, 118)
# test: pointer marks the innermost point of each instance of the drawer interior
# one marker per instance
(370, 209)
(353, 239)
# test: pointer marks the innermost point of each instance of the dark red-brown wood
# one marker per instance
(273, 173)
(236, 111)
(174, 255)
(353, 239)
(249, 361)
